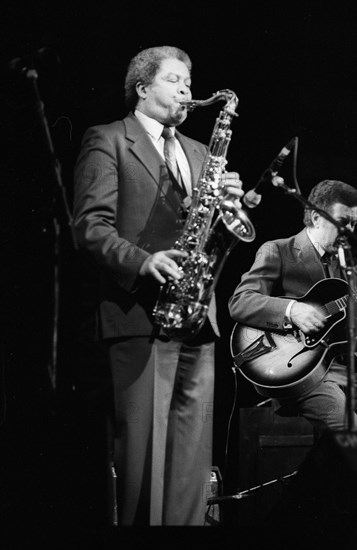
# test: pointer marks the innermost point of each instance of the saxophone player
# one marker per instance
(133, 181)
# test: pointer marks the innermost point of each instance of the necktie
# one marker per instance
(170, 159)
(169, 151)
(331, 265)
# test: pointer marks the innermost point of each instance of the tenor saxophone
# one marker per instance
(212, 228)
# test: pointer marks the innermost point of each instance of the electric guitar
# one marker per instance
(286, 363)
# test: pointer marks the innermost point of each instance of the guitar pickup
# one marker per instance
(256, 349)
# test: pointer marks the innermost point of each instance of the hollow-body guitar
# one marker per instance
(286, 363)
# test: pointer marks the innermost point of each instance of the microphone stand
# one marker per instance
(249, 492)
(347, 264)
(32, 76)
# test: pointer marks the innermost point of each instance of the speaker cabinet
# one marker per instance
(270, 448)
(319, 507)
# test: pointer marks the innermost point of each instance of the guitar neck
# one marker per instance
(335, 306)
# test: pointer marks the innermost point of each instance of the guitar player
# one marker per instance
(290, 267)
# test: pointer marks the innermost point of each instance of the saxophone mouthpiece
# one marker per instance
(190, 105)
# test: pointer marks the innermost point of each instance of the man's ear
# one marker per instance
(315, 217)
(141, 90)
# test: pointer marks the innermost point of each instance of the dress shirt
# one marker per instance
(154, 130)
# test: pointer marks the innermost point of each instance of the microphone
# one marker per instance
(252, 198)
(27, 61)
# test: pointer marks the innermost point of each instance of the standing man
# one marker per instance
(128, 211)
(289, 268)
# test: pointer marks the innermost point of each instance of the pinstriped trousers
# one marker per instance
(163, 395)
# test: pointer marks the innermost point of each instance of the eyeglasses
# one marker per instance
(348, 221)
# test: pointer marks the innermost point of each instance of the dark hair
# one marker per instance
(327, 193)
(144, 67)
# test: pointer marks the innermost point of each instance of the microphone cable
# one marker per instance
(229, 425)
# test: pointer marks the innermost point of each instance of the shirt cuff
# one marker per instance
(287, 319)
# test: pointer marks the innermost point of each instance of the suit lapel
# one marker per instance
(308, 257)
(143, 149)
(146, 153)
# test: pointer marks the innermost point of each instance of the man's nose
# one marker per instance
(351, 225)
(183, 89)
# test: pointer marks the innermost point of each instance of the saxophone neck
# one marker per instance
(228, 96)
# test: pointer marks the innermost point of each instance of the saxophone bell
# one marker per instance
(236, 220)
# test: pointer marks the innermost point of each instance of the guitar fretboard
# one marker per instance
(331, 308)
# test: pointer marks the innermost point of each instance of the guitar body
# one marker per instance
(286, 364)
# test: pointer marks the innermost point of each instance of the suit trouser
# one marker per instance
(163, 443)
(325, 406)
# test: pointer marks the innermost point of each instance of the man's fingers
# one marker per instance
(234, 191)
(161, 265)
(172, 253)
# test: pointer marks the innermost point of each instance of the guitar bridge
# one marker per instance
(255, 349)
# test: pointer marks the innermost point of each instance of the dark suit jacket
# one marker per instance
(124, 210)
(284, 267)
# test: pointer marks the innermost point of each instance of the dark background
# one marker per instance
(292, 65)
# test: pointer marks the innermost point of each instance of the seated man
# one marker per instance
(289, 267)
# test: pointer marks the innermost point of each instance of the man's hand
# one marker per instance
(161, 265)
(307, 317)
(233, 186)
